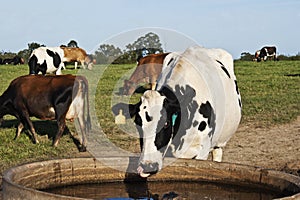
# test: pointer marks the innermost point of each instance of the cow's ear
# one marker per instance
(129, 110)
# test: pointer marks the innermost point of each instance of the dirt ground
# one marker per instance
(277, 147)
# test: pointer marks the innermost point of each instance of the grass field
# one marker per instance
(270, 95)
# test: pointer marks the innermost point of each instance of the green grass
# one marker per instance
(270, 95)
(270, 91)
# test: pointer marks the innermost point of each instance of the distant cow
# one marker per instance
(147, 71)
(72, 54)
(46, 60)
(48, 98)
(194, 110)
(266, 52)
(17, 60)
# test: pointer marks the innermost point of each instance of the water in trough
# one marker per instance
(164, 190)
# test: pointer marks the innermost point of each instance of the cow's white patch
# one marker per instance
(76, 105)
(152, 104)
(52, 111)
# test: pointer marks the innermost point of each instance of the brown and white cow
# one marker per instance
(48, 98)
(147, 71)
(72, 54)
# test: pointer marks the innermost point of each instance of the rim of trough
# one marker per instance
(225, 173)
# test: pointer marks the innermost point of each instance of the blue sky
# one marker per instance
(234, 25)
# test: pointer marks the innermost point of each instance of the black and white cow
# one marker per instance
(266, 52)
(195, 109)
(16, 60)
(46, 60)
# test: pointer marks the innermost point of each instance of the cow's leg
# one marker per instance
(63, 66)
(153, 85)
(217, 154)
(205, 145)
(82, 64)
(19, 130)
(61, 123)
(76, 64)
(26, 119)
(58, 72)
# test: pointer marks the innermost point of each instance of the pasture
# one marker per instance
(270, 96)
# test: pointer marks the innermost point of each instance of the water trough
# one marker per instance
(31, 181)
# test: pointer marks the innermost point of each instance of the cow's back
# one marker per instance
(35, 84)
(210, 73)
(73, 54)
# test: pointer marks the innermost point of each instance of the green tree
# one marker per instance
(107, 53)
(150, 41)
(25, 53)
(246, 56)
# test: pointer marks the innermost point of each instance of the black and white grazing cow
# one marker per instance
(266, 52)
(16, 60)
(195, 109)
(46, 60)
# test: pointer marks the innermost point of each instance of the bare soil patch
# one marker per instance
(276, 147)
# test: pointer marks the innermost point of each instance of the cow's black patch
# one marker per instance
(224, 68)
(55, 56)
(236, 87)
(202, 126)
(148, 117)
(42, 67)
(33, 64)
(195, 123)
(240, 103)
(170, 61)
(183, 103)
(163, 129)
(181, 144)
(207, 111)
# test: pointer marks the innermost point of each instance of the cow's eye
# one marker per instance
(167, 124)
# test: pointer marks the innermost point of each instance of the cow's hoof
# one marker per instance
(82, 149)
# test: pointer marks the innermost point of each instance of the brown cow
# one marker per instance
(72, 54)
(50, 97)
(147, 71)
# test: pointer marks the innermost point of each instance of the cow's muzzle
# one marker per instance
(148, 168)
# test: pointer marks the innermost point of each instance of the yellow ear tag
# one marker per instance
(120, 118)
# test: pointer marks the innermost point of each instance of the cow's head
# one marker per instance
(90, 61)
(257, 56)
(128, 87)
(154, 117)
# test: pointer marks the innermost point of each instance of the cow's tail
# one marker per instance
(86, 96)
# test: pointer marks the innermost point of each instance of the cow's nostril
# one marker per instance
(151, 168)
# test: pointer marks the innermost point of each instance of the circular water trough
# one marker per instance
(27, 181)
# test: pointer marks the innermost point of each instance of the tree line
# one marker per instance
(106, 53)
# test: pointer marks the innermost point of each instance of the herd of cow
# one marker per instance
(193, 107)
(52, 59)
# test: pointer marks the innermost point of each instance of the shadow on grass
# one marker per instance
(44, 129)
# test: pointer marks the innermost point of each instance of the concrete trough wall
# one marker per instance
(24, 182)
